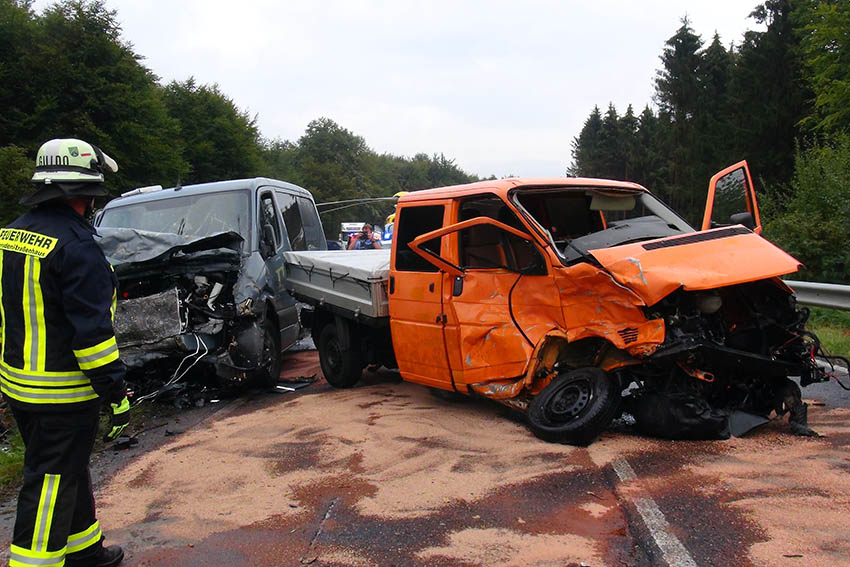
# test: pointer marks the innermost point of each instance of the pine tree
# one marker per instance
(587, 147)
(769, 97)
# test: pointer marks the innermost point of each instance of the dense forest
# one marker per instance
(779, 97)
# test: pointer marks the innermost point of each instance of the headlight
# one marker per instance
(709, 303)
(244, 307)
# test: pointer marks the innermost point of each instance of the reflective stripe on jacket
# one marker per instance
(57, 294)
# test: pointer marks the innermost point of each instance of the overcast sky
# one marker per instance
(501, 87)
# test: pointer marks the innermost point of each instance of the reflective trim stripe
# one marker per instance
(44, 395)
(22, 557)
(44, 517)
(114, 300)
(98, 355)
(40, 331)
(2, 310)
(43, 378)
(35, 348)
(86, 538)
(27, 292)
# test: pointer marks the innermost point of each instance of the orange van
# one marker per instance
(573, 299)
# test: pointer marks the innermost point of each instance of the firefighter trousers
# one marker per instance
(56, 509)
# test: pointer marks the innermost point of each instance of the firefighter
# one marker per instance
(59, 362)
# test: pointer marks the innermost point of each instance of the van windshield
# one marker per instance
(580, 220)
(201, 214)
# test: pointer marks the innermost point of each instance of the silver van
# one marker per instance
(201, 274)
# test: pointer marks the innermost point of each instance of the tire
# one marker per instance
(575, 408)
(268, 374)
(342, 368)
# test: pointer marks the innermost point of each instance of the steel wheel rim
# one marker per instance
(334, 356)
(569, 401)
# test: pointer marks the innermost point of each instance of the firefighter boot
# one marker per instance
(107, 556)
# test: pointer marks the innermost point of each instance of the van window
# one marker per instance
(268, 216)
(312, 224)
(412, 222)
(292, 221)
(488, 247)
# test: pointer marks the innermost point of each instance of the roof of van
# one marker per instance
(231, 185)
(503, 186)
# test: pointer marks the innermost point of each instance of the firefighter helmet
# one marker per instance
(66, 168)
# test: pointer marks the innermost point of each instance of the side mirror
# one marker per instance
(267, 241)
(745, 219)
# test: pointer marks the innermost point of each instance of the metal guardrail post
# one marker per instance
(822, 294)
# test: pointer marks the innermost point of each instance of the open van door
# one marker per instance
(732, 199)
(500, 299)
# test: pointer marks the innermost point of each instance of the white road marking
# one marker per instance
(672, 550)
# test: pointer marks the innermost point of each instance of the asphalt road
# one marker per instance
(387, 474)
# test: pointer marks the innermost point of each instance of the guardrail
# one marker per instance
(822, 294)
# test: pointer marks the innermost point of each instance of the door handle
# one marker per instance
(457, 288)
(392, 284)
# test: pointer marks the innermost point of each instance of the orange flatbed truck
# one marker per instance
(573, 300)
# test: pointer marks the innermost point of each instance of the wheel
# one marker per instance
(576, 407)
(268, 374)
(342, 367)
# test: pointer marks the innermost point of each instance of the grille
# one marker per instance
(693, 238)
(628, 335)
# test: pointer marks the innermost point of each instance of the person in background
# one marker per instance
(59, 362)
(365, 240)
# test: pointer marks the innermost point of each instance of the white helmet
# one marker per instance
(67, 167)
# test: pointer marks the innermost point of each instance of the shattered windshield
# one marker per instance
(578, 220)
(201, 214)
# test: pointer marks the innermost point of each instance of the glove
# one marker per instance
(118, 420)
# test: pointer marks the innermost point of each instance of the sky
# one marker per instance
(501, 87)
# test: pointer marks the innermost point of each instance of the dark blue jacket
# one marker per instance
(57, 299)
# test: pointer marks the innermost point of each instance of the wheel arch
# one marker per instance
(554, 353)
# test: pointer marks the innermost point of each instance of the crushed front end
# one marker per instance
(725, 362)
(177, 320)
(734, 337)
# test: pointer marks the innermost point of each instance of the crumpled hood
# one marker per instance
(698, 261)
(131, 246)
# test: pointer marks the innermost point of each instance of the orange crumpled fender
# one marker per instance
(594, 306)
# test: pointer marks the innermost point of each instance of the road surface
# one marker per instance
(387, 474)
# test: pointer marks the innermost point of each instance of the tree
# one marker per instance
(610, 146)
(768, 95)
(278, 158)
(219, 141)
(677, 89)
(17, 170)
(628, 126)
(652, 154)
(678, 93)
(587, 147)
(813, 224)
(713, 124)
(67, 73)
(823, 27)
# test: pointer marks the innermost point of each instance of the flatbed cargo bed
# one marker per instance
(354, 281)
